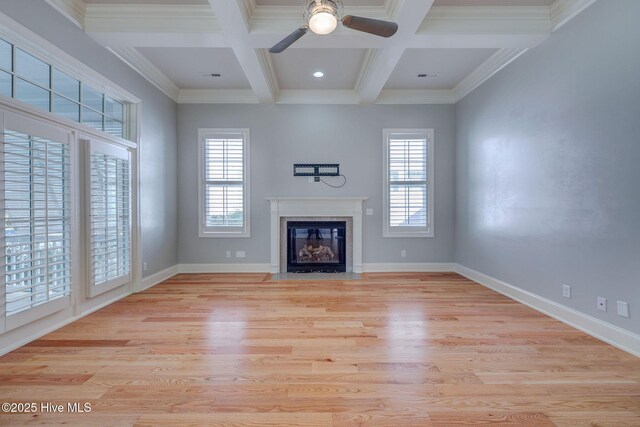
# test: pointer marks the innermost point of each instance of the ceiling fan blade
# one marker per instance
(371, 26)
(289, 40)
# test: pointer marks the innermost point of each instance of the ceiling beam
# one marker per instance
(198, 26)
(255, 63)
(382, 62)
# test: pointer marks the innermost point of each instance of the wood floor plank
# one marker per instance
(390, 349)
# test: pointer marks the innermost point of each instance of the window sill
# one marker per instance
(223, 234)
(396, 234)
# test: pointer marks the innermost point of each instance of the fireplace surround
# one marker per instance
(347, 209)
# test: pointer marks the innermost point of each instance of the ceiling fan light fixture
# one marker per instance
(323, 23)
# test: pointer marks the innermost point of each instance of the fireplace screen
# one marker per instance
(316, 246)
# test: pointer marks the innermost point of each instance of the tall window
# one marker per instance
(110, 213)
(35, 200)
(224, 183)
(408, 163)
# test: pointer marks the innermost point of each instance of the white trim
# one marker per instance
(611, 334)
(159, 277)
(420, 96)
(488, 68)
(562, 11)
(486, 20)
(224, 268)
(288, 96)
(134, 59)
(217, 96)
(408, 267)
(218, 232)
(38, 312)
(136, 18)
(429, 229)
(73, 10)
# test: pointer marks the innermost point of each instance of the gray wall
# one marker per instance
(285, 134)
(158, 144)
(548, 166)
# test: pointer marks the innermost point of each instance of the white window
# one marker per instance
(110, 217)
(36, 209)
(408, 192)
(224, 183)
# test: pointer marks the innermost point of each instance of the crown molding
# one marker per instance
(337, 96)
(562, 11)
(150, 18)
(217, 96)
(486, 20)
(134, 59)
(74, 10)
(425, 96)
(488, 68)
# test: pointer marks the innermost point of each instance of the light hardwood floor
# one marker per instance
(406, 349)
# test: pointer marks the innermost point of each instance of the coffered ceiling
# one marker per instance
(211, 51)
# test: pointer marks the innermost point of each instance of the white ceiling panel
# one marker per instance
(493, 2)
(169, 2)
(186, 67)
(295, 67)
(449, 66)
(302, 2)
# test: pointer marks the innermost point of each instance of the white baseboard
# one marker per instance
(611, 334)
(408, 266)
(224, 268)
(159, 277)
(265, 268)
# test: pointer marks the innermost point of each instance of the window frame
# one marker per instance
(19, 37)
(408, 231)
(205, 231)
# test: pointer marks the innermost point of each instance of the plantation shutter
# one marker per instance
(35, 201)
(408, 181)
(224, 186)
(109, 217)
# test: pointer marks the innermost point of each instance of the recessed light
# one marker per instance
(318, 74)
(429, 75)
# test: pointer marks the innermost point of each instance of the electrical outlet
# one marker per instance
(403, 253)
(602, 304)
(228, 254)
(145, 267)
(623, 308)
(369, 211)
(240, 254)
(566, 291)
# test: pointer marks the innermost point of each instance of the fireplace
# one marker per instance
(316, 246)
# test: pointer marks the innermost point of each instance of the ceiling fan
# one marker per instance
(321, 17)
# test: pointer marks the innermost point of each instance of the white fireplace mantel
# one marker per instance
(316, 207)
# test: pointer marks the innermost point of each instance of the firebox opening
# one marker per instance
(316, 246)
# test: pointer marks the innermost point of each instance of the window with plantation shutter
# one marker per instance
(110, 217)
(35, 201)
(408, 162)
(224, 185)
